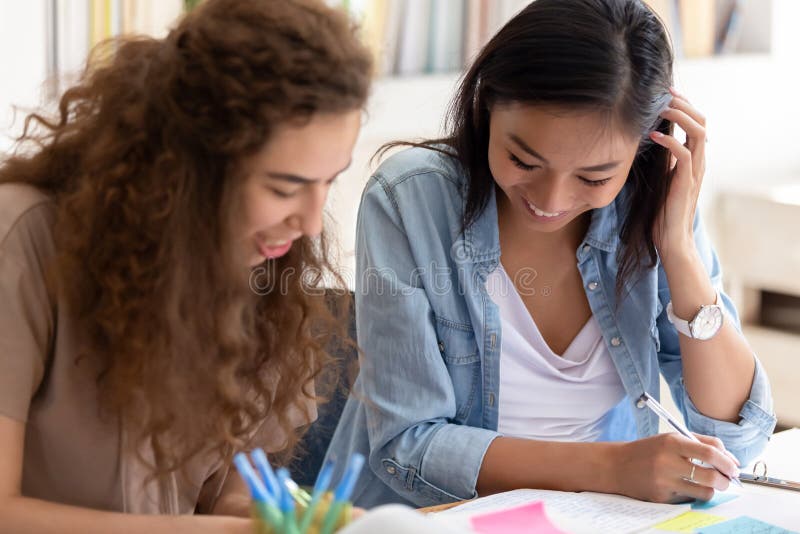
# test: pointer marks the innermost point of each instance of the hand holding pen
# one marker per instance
(701, 460)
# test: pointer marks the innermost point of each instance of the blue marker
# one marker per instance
(265, 502)
(320, 487)
(262, 463)
(257, 489)
(287, 503)
(342, 492)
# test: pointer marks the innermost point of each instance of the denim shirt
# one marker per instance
(424, 407)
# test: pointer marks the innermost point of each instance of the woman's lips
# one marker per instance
(276, 250)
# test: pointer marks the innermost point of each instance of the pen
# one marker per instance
(265, 502)
(659, 410)
(342, 492)
(287, 504)
(262, 464)
(300, 495)
(320, 487)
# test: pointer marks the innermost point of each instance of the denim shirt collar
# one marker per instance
(603, 228)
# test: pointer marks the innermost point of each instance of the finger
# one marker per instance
(710, 440)
(707, 476)
(682, 155)
(733, 457)
(677, 93)
(695, 491)
(695, 132)
(680, 114)
(717, 443)
(684, 105)
(710, 455)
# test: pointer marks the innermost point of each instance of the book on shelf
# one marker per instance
(729, 23)
(412, 53)
(75, 26)
(446, 39)
(698, 25)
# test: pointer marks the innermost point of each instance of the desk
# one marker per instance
(775, 506)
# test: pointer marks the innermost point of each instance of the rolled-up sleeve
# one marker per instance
(747, 437)
(404, 384)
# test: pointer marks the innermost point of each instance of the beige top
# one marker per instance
(72, 455)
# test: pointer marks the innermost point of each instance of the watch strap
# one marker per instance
(682, 325)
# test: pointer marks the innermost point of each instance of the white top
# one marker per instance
(543, 395)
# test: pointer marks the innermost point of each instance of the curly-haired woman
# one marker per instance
(138, 350)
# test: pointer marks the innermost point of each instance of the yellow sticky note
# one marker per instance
(689, 522)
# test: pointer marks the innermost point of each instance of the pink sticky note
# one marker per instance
(525, 519)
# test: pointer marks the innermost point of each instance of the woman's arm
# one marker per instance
(23, 515)
(652, 469)
(234, 499)
(719, 372)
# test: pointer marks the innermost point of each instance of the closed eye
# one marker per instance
(281, 194)
(289, 194)
(520, 164)
(525, 167)
(594, 183)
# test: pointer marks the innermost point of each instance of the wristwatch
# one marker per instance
(704, 325)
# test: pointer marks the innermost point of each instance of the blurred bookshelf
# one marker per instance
(413, 37)
(74, 27)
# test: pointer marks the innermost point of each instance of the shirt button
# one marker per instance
(441, 346)
(586, 248)
(592, 286)
(391, 470)
(640, 403)
(616, 342)
(491, 399)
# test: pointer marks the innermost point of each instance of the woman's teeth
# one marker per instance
(541, 213)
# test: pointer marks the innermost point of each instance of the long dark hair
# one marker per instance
(610, 56)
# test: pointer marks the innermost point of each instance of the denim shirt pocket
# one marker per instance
(459, 351)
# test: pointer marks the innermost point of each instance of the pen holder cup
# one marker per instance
(266, 525)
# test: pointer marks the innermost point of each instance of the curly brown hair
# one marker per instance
(144, 159)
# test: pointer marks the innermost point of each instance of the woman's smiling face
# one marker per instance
(554, 164)
(288, 181)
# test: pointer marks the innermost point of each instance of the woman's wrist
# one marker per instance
(607, 458)
(689, 283)
(678, 255)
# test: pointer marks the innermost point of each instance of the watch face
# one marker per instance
(707, 322)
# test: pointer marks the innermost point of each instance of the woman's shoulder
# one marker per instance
(420, 167)
(27, 215)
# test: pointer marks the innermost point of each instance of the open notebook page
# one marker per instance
(578, 513)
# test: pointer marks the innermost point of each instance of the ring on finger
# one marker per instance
(691, 473)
